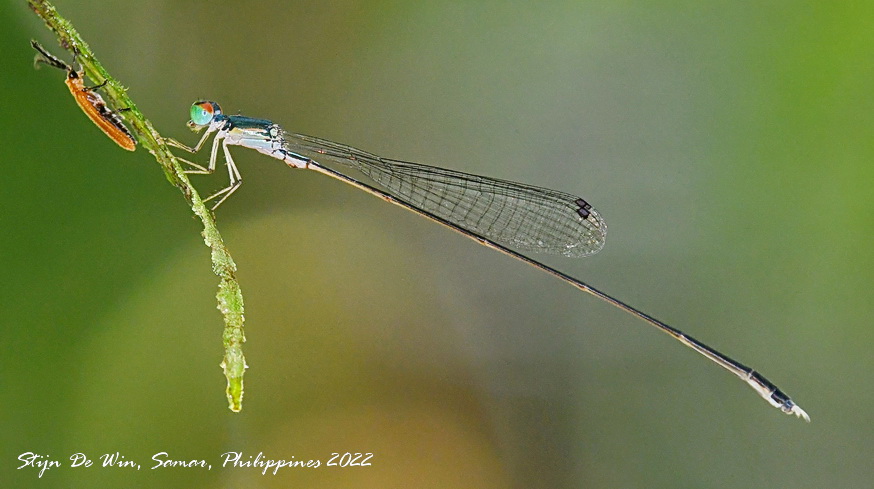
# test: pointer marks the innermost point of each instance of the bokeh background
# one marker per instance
(729, 145)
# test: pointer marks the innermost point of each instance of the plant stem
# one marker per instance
(229, 296)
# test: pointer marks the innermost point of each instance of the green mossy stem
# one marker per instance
(229, 296)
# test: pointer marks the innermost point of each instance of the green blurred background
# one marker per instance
(728, 144)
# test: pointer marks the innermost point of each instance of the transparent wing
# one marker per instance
(518, 215)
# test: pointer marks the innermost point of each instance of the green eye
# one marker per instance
(201, 114)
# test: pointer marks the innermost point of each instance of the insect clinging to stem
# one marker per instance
(109, 121)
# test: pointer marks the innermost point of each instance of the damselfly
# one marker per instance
(495, 213)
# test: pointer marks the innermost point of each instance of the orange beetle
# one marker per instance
(90, 101)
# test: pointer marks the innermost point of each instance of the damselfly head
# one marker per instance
(202, 114)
